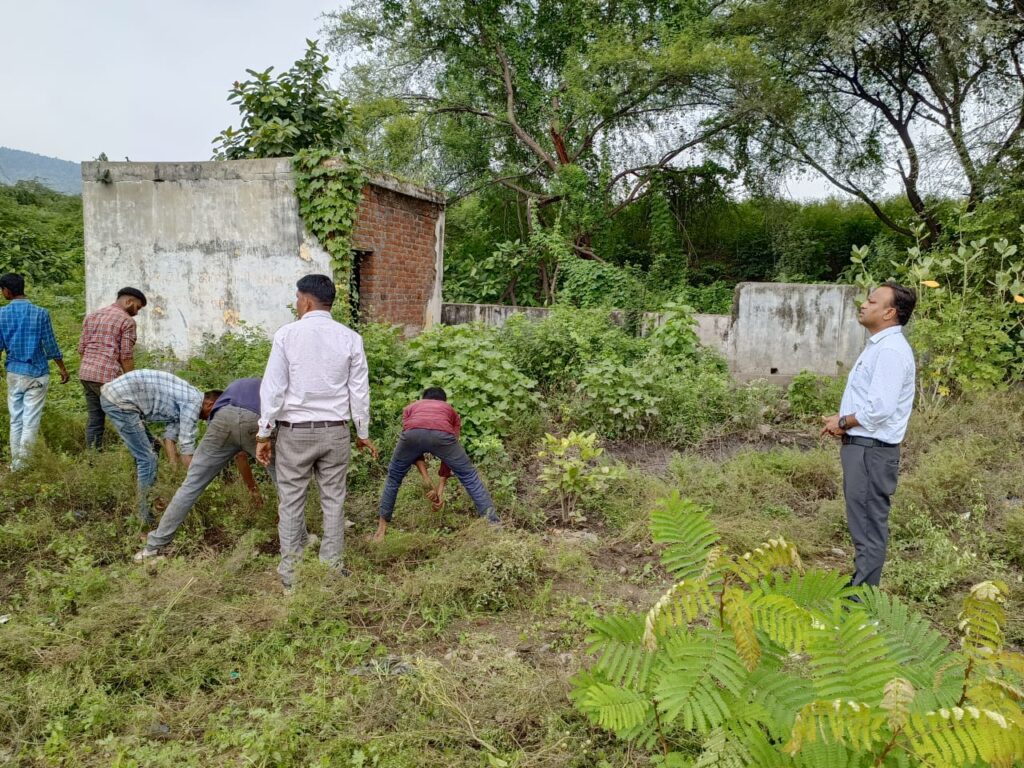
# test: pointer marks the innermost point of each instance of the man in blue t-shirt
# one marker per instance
(231, 435)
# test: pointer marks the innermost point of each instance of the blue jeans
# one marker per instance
(412, 444)
(25, 398)
(130, 427)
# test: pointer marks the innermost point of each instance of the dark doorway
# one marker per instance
(355, 283)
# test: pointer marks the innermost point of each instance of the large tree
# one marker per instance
(576, 102)
(931, 90)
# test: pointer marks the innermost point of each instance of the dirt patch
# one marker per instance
(651, 458)
(767, 438)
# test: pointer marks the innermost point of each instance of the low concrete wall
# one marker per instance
(776, 330)
(780, 329)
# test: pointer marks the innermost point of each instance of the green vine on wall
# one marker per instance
(329, 188)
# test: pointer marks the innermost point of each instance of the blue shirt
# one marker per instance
(241, 393)
(880, 388)
(163, 397)
(26, 334)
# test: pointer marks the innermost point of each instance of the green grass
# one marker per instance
(451, 644)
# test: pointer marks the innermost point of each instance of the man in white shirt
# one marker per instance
(871, 423)
(316, 380)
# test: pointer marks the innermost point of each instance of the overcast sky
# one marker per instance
(148, 80)
(137, 78)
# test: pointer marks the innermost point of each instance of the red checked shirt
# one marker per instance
(433, 414)
(108, 337)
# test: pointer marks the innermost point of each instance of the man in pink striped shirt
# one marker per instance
(432, 426)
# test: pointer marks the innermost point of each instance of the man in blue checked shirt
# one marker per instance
(137, 397)
(26, 335)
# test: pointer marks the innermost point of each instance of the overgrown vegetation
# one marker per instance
(452, 644)
(40, 233)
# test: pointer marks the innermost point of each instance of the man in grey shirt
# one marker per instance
(871, 423)
(316, 381)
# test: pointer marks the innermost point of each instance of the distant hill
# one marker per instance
(59, 175)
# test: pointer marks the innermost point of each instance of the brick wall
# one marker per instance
(399, 274)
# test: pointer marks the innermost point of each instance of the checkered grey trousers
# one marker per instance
(321, 453)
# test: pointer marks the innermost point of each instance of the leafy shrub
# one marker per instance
(673, 397)
(677, 334)
(756, 402)
(555, 350)
(711, 669)
(482, 383)
(968, 328)
(810, 394)
(617, 399)
(927, 558)
(239, 354)
(571, 471)
(696, 395)
(586, 283)
(40, 234)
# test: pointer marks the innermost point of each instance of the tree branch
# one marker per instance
(510, 107)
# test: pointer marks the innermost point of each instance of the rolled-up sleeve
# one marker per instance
(359, 390)
(187, 427)
(883, 391)
(126, 342)
(274, 387)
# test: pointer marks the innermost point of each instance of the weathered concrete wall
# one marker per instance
(489, 314)
(776, 330)
(216, 244)
(712, 330)
(780, 329)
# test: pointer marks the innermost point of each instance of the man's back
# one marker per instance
(108, 337)
(27, 335)
(157, 395)
(317, 372)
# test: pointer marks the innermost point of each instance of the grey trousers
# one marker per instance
(231, 430)
(869, 480)
(321, 453)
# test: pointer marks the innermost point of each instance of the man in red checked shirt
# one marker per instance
(431, 425)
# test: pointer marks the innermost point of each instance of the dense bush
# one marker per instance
(810, 394)
(556, 350)
(968, 328)
(40, 234)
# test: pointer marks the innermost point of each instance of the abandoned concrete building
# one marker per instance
(215, 245)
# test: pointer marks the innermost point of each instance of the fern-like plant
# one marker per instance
(765, 663)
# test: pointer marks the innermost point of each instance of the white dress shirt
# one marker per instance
(880, 388)
(316, 372)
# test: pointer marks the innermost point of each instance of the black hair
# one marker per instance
(320, 287)
(435, 393)
(14, 283)
(135, 293)
(212, 394)
(903, 300)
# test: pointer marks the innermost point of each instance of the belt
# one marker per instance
(867, 442)
(311, 424)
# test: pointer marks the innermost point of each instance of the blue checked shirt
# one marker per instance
(163, 397)
(26, 335)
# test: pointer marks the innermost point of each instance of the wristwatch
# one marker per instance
(263, 439)
(842, 422)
